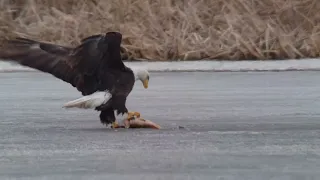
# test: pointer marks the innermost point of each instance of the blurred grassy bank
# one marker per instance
(175, 29)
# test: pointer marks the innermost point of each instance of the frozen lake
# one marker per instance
(237, 125)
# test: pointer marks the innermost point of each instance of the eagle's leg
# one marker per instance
(107, 117)
(119, 105)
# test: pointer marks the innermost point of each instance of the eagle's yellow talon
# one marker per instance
(137, 114)
(133, 115)
(115, 125)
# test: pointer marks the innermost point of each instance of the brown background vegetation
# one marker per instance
(174, 29)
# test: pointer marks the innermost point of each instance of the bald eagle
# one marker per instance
(94, 68)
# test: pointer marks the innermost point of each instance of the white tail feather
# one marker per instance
(90, 101)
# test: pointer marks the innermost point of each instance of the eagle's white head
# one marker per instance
(143, 76)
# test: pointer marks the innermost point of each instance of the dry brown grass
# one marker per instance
(175, 29)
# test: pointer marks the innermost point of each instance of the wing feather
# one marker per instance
(95, 51)
(85, 67)
(52, 60)
(88, 56)
(48, 47)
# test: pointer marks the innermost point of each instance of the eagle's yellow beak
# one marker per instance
(145, 83)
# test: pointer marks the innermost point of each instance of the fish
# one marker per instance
(139, 122)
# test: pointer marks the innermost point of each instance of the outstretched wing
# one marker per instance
(45, 57)
(48, 47)
(80, 66)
